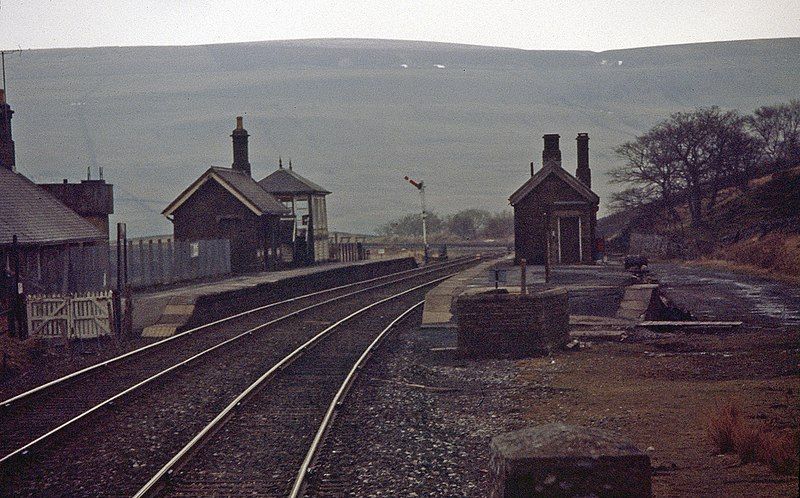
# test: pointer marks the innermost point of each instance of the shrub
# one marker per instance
(722, 424)
(780, 450)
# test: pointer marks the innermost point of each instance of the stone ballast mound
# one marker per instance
(500, 324)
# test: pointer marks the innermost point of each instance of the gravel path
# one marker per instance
(418, 423)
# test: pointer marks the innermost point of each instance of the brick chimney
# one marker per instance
(7, 159)
(583, 173)
(551, 153)
(240, 160)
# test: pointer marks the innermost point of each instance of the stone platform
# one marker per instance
(162, 313)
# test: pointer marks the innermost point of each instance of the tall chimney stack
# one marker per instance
(240, 160)
(551, 153)
(7, 155)
(583, 173)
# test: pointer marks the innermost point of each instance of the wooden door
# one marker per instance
(569, 240)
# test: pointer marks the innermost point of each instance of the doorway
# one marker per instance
(569, 243)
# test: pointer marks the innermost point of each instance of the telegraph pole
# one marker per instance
(421, 187)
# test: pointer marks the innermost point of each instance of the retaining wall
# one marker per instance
(227, 303)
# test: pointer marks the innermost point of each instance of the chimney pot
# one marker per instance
(2, 96)
(239, 123)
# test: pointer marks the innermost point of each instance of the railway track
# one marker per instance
(218, 371)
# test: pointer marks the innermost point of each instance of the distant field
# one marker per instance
(354, 120)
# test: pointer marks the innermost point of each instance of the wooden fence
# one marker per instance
(347, 251)
(70, 316)
(161, 261)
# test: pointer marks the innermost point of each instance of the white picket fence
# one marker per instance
(70, 316)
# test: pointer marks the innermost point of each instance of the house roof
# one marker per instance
(552, 169)
(286, 181)
(36, 217)
(240, 185)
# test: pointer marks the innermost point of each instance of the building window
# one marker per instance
(194, 249)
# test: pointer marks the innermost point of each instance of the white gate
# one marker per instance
(70, 316)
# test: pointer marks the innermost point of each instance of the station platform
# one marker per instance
(595, 290)
(436, 312)
(162, 313)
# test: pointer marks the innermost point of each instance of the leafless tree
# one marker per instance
(777, 129)
(691, 156)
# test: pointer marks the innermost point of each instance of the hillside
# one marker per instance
(757, 230)
(357, 115)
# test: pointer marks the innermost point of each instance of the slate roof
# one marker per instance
(286, 181)
(36, 217)
(547, 170)
(242, 186)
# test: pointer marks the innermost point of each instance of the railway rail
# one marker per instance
(42, 400)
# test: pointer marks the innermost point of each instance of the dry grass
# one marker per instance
(775, 255)
(780, 449)
(747, 440)
(722, 424)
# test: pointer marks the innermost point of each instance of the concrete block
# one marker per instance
(566, 460)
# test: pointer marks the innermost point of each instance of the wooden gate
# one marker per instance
(70, 316)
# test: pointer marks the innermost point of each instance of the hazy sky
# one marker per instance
(532, 24)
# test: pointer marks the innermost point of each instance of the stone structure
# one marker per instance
(555, 213)
(92, 199)
(226, 203)
(563, 460)
(504, 325)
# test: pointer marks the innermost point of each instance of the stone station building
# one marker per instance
(555, 213)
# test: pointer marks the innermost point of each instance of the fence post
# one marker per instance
(121, 236)
(160, 260)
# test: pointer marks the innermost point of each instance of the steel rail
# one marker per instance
(10, 401)
(336, 403)
(154, 484)
(22, 450)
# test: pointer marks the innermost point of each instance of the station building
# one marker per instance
(61, 229)
(277, 222)
(555, 213)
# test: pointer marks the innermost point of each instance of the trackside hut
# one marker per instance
(226, 203)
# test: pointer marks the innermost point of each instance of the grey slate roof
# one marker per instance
(547, 170)
(36, 217)
(247, 188)
(252, 190)
(286, 181)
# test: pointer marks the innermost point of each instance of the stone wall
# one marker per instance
(505, 325)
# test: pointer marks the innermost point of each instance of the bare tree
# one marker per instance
(777, 129)
(692, 155)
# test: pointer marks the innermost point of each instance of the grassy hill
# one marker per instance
(357, 115)
(756, 230)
